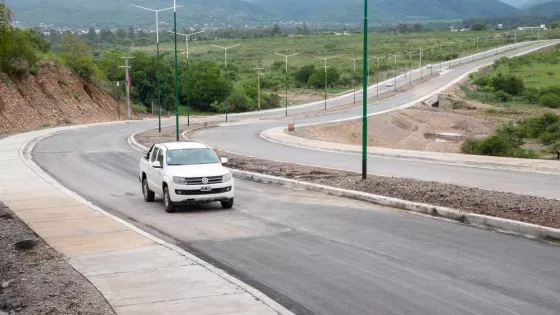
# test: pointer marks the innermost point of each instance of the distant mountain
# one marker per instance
(225, 12)
(516, 3)
(547, 8)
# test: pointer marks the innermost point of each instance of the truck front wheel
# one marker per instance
(148, 194)
(169, 207)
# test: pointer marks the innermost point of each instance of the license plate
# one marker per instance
(206, 188)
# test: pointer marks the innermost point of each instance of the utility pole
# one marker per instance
(286, 83)
(259, 85)
(460, 51)
(158, 62)
(188, 73)
(354, 76)
(127, 78)
(451, 55)
(326, 77)
(119, 99)
(176, 71)
(226, 74)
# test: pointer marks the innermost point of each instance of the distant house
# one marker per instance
(532, 28)
(295, 35)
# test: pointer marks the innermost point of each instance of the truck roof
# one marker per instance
(183, 145)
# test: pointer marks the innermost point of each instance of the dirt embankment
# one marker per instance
(52, 97)
(418, 128)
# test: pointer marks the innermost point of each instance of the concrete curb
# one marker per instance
(25, 155)
(505, 225)
(294, 141)
(526, 229)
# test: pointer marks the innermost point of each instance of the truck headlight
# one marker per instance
(179, 180)
(226, 178)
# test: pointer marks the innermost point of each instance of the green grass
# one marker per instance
(252, 52)
(536, 75)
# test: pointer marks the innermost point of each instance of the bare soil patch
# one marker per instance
(36, 280)
(523, 208)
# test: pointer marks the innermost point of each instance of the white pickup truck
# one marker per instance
(185, 173)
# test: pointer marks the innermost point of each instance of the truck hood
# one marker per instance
(204, 170)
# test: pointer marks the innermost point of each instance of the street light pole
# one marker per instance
(365, 86)
(421, 70)
(409, 66)
(451, 55)
(286, 83)
(326, 77)
(259, 86)
(460, 51)
(226, 74)
(377, 70)
(176, 72)
(158, 68)
(354, 76)
(395, 56)
(188, 73)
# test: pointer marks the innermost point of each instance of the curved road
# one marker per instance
(244, 138)
(318, 254)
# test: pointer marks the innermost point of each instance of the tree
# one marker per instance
(130, 33)
(305, 29)
(109, 64)
(303, 74)
(317, 79)
(479, 26)
(402, 28)
(276, 30)
(77, 55)
(5, 19)
(417, 27)
(207, 84)
(121, 34)
(91, 35)
(106, 35)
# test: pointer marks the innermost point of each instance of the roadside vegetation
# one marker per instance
(525, 83)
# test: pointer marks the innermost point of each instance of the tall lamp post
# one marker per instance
(326, 77)
(354, 76)
(451, 54)
(286, 83)
(409, 66)
(395, 56)
(377, 72)
(158, 62)
(258, 86)
(226, 74)
(365, 98)
(420, 64)
(188, 73)
(176, 71)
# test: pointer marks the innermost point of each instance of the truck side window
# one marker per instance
(150, 152)
(160, 157)
(155, 153)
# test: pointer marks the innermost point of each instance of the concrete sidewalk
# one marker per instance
(136, 272)
(280, 135)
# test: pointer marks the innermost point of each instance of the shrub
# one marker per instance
(509, 84)
(550, 100)
(483, 81)
(503, 96)
(532, 95)
(139, 108)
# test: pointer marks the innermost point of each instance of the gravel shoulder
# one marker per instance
(37, 280)
(523, 208)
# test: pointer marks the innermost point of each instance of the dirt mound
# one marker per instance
(51, 97)
(418, 128)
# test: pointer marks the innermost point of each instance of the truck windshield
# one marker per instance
(191, 157)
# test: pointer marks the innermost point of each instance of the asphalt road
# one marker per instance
(318, 254)
(245, 139)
